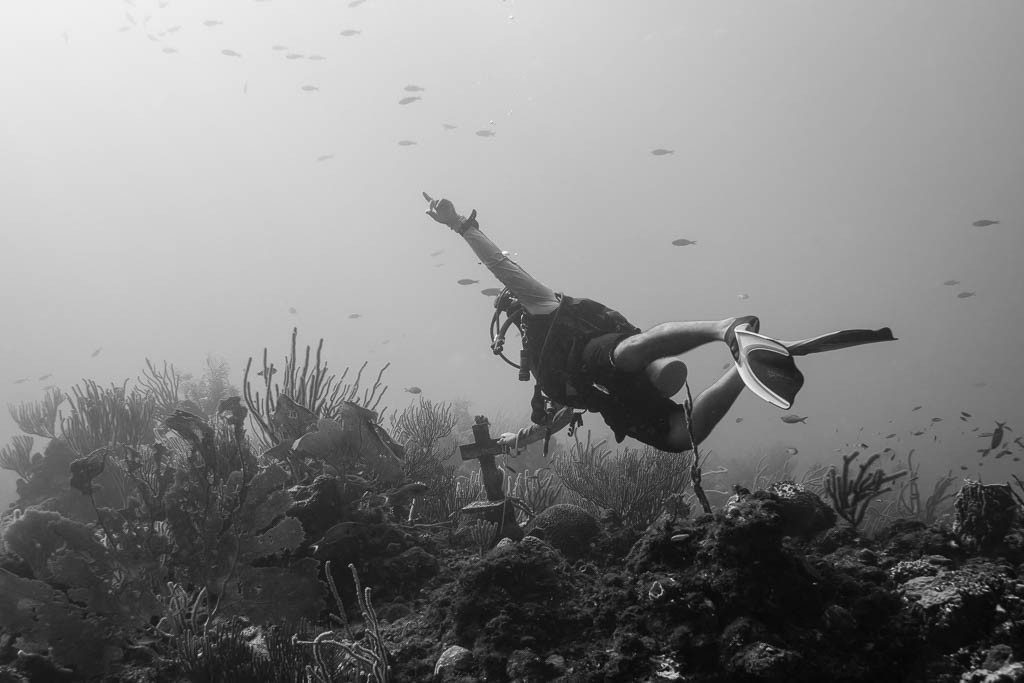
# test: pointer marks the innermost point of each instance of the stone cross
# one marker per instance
(496, 508)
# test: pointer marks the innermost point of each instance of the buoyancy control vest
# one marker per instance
(555, 343)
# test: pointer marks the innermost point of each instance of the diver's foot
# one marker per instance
(753, 324)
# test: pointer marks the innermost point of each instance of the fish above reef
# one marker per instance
(279, 48)
(741, 297)
(661, 151)
(174, 29)
(212, 22)
(46, 376)
(409, 100)
(349, 32)
(316, 58)
(1005, 451)
(310, 88)
(413, 88)
(683, 242)
(490, 291)
(448, 126)
(356, 3)
(406, 143)
(484, 133)
(437, 253)
(230, 53)
(21, 381)
(355, 316)
(950, 283)
(413, 390)
(294, 55)
(271, 371)
(791, 451)
(739, 419)
(96, 352)
(965, 413)
(936, 419)
(916, 408)
(997, 433)
(467, 281)
(984, 223)
(169, 50)
(325, 157)
(965, 295)
(792, 419)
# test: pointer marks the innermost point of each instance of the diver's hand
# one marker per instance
(507, 441)
(443, 211)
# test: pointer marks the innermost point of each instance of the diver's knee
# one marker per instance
(627, 355)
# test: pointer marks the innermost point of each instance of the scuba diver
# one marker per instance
(585, 356)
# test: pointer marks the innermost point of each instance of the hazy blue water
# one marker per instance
(829, 160)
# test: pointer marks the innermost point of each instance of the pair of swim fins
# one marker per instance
(767, 367)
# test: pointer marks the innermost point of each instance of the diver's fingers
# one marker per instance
(428, 197)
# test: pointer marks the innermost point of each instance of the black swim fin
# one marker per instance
(837, 340)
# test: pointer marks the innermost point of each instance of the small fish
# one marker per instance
(162, 4)
(355, 316)
(21, 381)
(316, 58)
(965, 295)
(437, 253)
(890, 436)
(409, 100)
(739, 419)
(742, 297)
(174, 29)
(294, 55)
(863, 445)
(448, 126)
(406, 143)
(660, 152)
(965, 414)
(356, 3)
(230, 53)
(916, 408)
(997, 434)
(484, 133)
(950, 283)
(791, 451)
(683, 242)
(936, 419)
(413, 88)
(349, 32)
(279, 48)
(792, 419)
(292, 310)
(49, 375)
(467, 281)
(413, 390)
(984, 451)
(310, 88)
(169, 50)
(963, 467)
(96, 352)
(212, 22)
(490, 291)
(918, 433)
(245, 88)
(262, 373)
(1003, 452)
(325, 157)
(984, 223)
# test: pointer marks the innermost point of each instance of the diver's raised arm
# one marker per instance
(515, 441)
(536, 298)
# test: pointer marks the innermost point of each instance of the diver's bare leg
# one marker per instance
(708, 410)
(667, 339)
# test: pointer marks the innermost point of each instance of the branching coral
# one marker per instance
(17, 457)
(850, 495)
(366, 662)
(38, 417)
(634, 483)
(163, 385)
(315, 389)
(108, 416)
